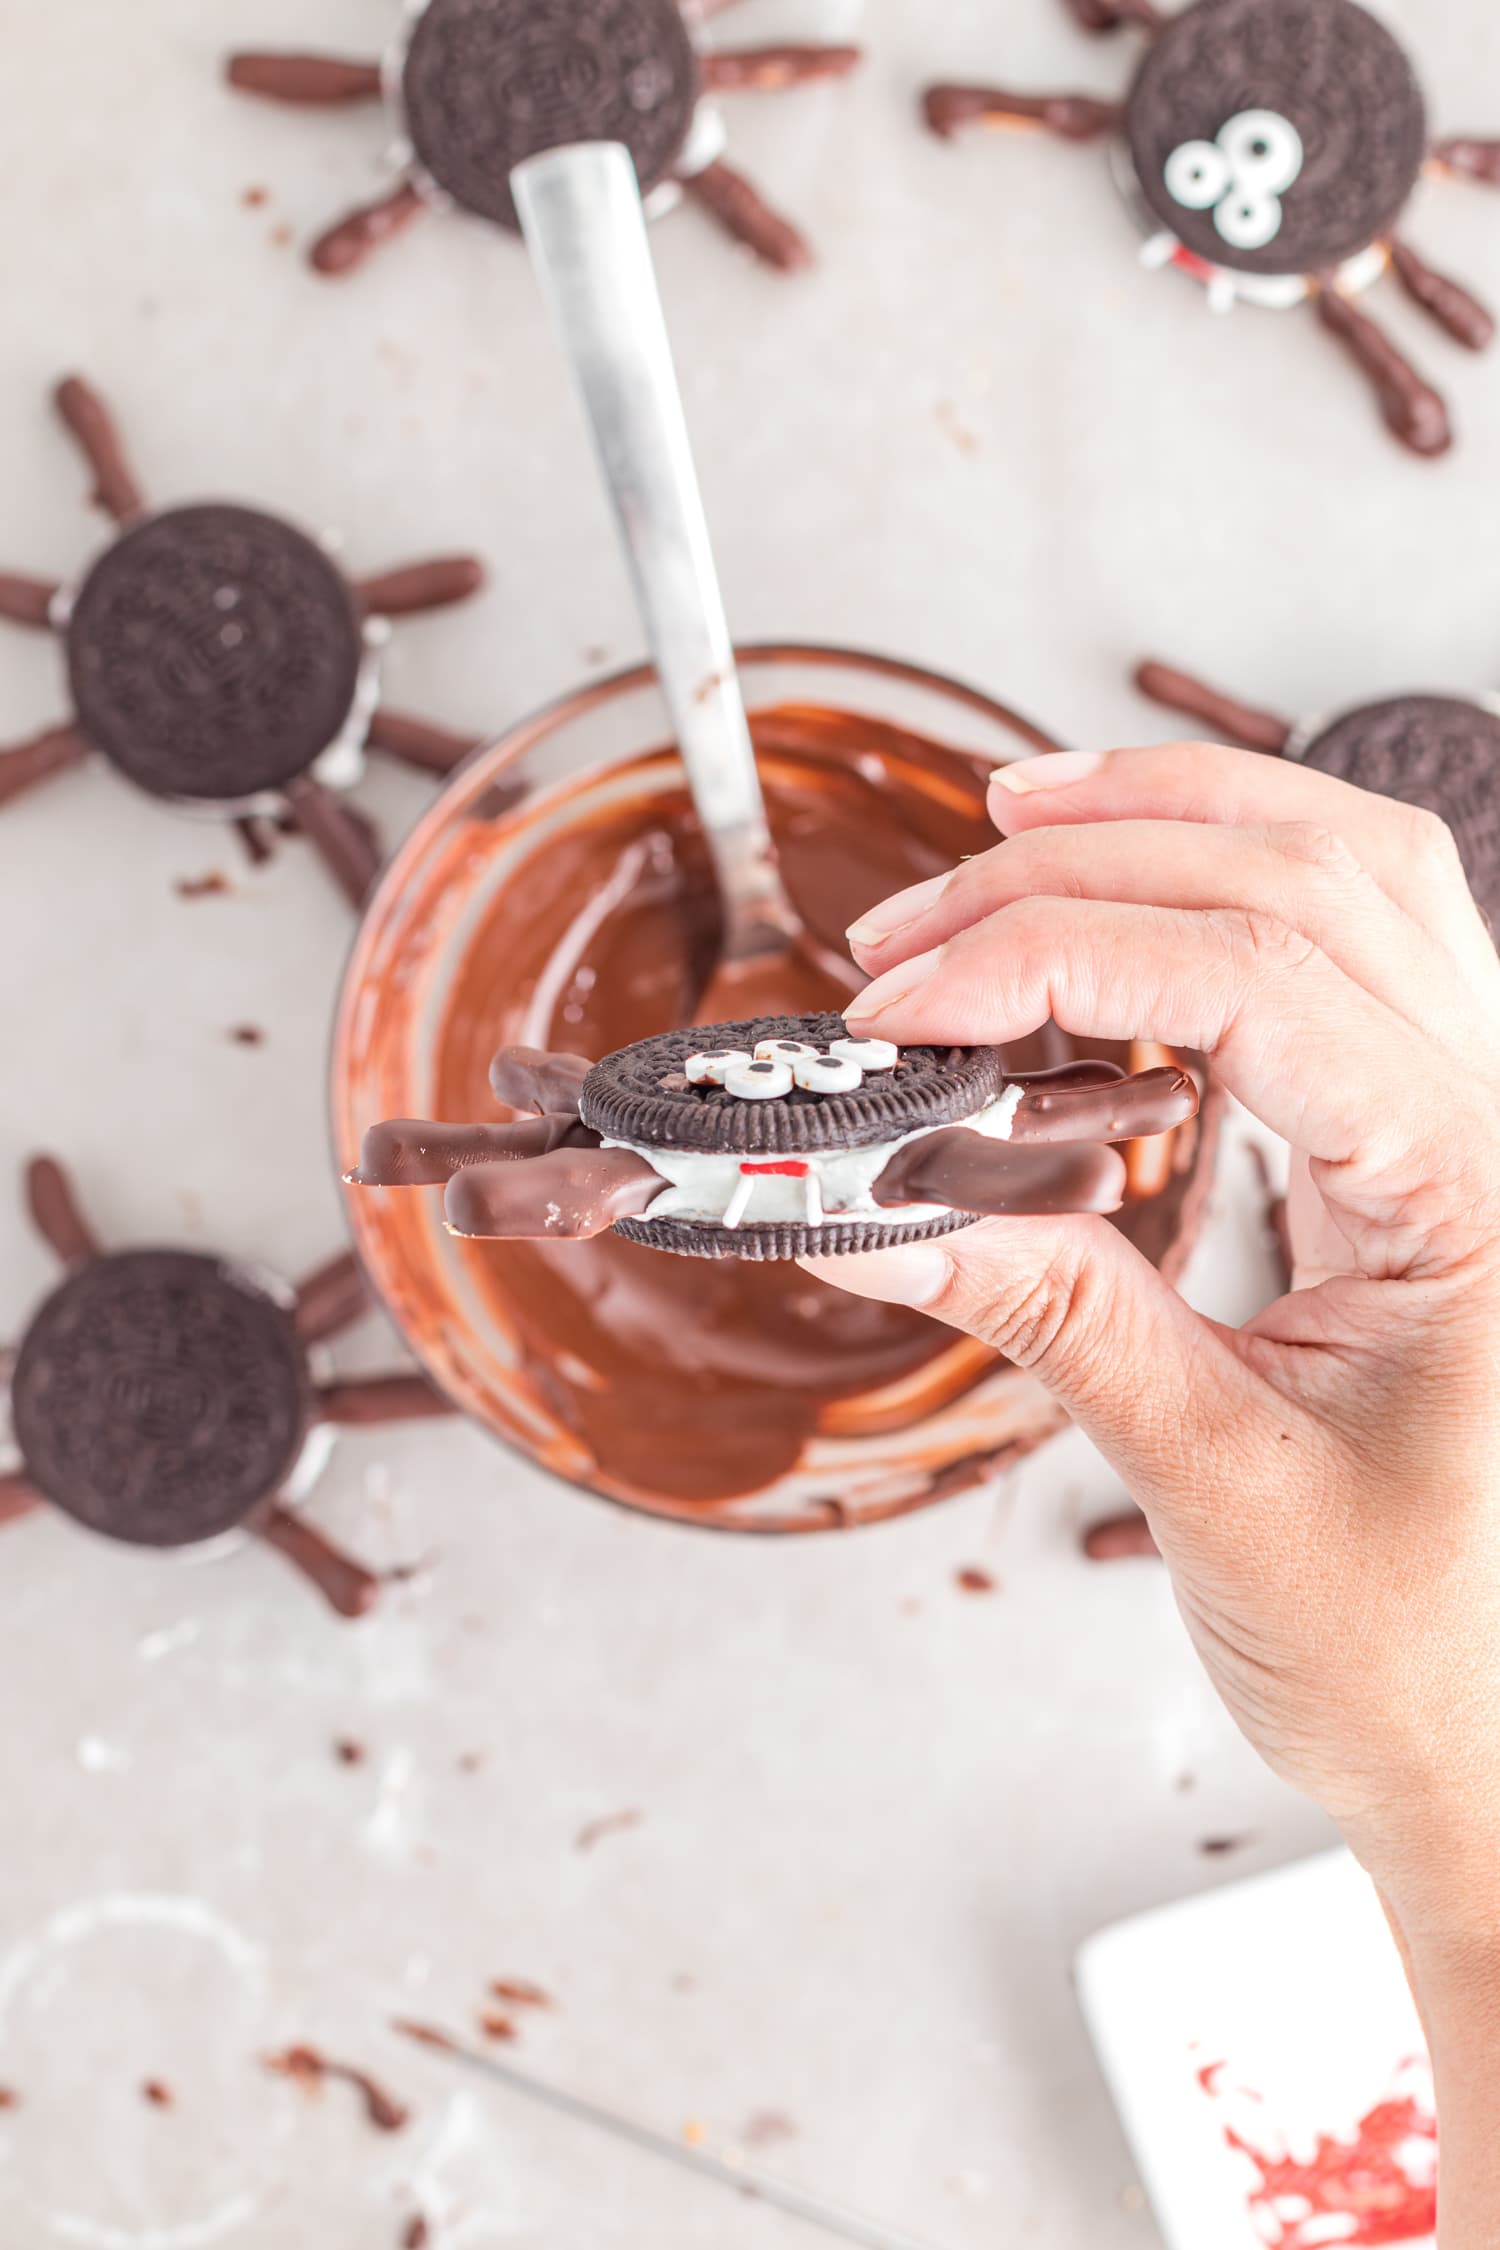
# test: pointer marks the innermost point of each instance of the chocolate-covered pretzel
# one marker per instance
(1271, 148)
(777, 1138)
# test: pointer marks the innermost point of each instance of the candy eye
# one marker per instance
(1248, 221)
(827, 1074)
(870, 1054)
(781, 1050)
(710, 1069)
(758, 1081)
(1197, 174)
(1264, 151)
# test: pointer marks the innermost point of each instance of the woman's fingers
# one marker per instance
(1296, 872)
(1374, 1102)
(1410, 852)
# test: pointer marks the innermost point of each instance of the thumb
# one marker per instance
(1158, 1388)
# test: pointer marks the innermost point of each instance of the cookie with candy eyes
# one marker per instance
(779, 1138)
(1270, 149)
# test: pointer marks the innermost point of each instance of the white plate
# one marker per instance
(1292, 1983)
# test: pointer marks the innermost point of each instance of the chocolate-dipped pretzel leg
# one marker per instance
(85, 413)
(607, 1145)
(1071, 117)
(768, 70)
(305, 81)
(1114, 15)
(1229, 720)
(1468, 158)
(27, 601)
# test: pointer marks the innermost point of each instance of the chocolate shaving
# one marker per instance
(972, 1580)
(212, 885)
(516, 1992)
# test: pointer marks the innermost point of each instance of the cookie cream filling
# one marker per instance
(731, 1187)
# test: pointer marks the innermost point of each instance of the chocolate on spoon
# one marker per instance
(779, 1137)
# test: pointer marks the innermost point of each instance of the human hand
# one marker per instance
(1324, 1484)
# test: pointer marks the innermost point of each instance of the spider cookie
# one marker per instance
(1270, 148)
(1441, 752)
(220, 659)
(163, 1397)
(778, 1138)
(474, 87)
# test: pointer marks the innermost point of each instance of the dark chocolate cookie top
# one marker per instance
(213, 652)
(643, 1093)
(1276, 136)
(488, 83)
(1431, 750)
(158, 1397)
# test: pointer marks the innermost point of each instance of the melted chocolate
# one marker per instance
(701, 1382)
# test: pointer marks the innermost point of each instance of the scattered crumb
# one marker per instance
(518, 1993)
(972, 1580)
(254, 198)
(282, 237)
(416, 2234)
(349, 1752)
(1186, 1784)
(248, 1035)
(470, 1761)
(1219, 1847)
(426, 2035)
(497, 2027)
(594, 1831)
(159, 2095)
(1119, 1538)
(949, 423)
(766, 2128)
(695, 2132)
(212, 885)
(311, 2071)
(9, 2098)
(596, 653)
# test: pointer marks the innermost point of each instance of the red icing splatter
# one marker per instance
(1383, 2180)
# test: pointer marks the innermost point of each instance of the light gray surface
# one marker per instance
(878, 1814)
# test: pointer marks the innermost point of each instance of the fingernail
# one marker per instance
(893, 914)
(896, 985)
(914, 1273)
(1049, 769)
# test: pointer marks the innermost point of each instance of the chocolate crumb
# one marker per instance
(1118, 1538)
(255, 197)
(349, 1752)
(1219, 1847)
(766, 2128)
(426, 2035)
(470, 1761)
(248, 1035)
(282, 237)
(612, 1824)
(9, 2098)
(310, 2070)
(416, 2234)
(972, 1580)
(160, 2096)
(518, 1993)
(212, 885)
(497, 2027)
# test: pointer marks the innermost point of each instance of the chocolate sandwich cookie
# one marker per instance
(778, 1137)
(159, 1397)
(1276, 136)
(487, 83)
(214, 652)
(1431, 750)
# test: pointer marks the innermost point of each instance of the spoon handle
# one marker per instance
(581, 214)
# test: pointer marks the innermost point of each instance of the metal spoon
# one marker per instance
(581, 214)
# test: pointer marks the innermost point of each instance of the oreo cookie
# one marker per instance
(214, 652)
(1432, 750)
(487, 83)
(159, 1397)
(1276, 136)
(771, 1133)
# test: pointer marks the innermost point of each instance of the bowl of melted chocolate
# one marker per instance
(559, 895)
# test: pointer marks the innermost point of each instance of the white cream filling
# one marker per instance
(711, 1187)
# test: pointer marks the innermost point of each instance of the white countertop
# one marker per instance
(878, 1814)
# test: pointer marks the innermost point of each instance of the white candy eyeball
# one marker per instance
(781, 1050)
(1248, 220)
(870, 1054)
(1197, 174)
(1264, 151)
(709, 1070)
(827, 1074)
(758, 1081)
